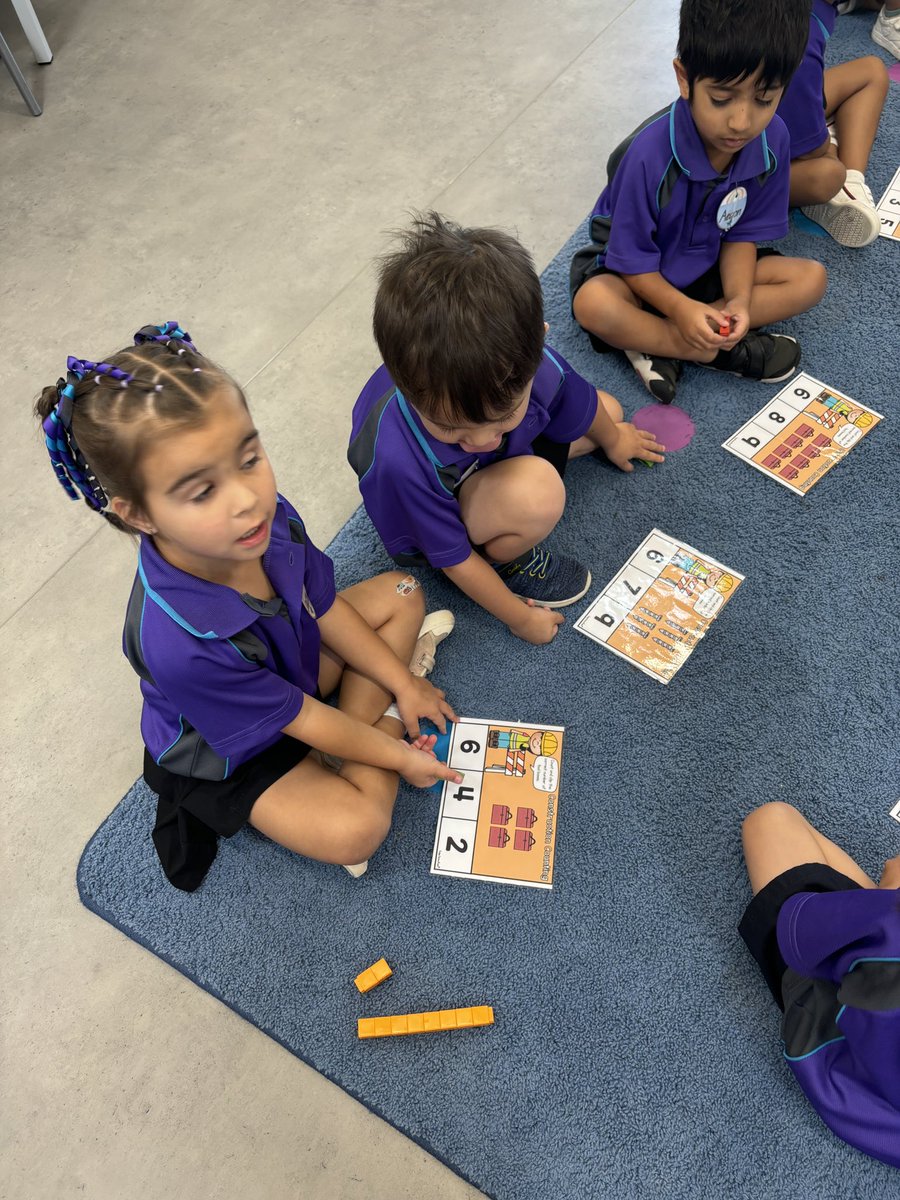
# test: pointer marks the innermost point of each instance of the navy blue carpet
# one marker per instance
(636, 1050)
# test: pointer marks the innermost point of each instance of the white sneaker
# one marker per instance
(435, 627)
(850, 216)
(358, 869)
(886, 31)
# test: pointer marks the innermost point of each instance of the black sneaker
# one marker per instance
(658, 375)
(550, 580)
(768, 357)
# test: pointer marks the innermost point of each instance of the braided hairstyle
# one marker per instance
(100, 418)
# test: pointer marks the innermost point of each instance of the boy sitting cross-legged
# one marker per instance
(673, 273)
(460, 440)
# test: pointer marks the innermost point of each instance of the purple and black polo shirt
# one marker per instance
(409, 480)
(841, 1026)
(667, 209)
(802, 106)
(222, 673)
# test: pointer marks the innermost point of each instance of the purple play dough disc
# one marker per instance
(668, 423)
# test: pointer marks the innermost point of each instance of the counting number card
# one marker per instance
(659, 606)
(802, 432)
(889, 209)
(499, 824)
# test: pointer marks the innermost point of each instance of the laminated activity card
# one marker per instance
(499, 824)
(802, 432)
(889, 209)
(659, 606)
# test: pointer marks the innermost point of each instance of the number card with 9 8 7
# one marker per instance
(658, 607)
(499, 824)
(889, 209)
(802, 432)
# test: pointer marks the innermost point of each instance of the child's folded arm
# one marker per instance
(481, 583)
(334, 732)
(343, 630)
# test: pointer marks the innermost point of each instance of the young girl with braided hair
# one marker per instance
(234, 625)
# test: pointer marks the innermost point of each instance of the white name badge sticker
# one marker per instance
(731, 209)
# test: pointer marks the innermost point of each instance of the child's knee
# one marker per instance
(363, 834)
(877, 76)
(539, 493)
(816, 279)
(405, 589)
(773, 814)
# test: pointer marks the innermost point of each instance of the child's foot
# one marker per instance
(850, 216)
(768, 357)
(659, 375)
(435, 627)
(886, 31)
(550, 580)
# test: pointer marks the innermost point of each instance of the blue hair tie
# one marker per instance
(169, 334)
(69, 464)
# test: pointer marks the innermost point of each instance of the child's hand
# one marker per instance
(420, 767)
(737, 317)
(420, 698)
(890, 876)
(699, 324)
(536, 625)
(628, 443)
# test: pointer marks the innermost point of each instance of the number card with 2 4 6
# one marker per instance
(499, 824)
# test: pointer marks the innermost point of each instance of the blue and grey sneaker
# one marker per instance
(550, 580)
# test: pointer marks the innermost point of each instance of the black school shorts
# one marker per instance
(758, 925)
(192, 814)
(706, 289)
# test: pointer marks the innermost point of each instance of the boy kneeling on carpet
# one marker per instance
(673, 272)
(460, 440)
(827, 940)
(234, 625)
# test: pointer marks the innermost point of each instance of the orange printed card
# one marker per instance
(889, 209)
(499, 824)
(802, 432)
(658, 607)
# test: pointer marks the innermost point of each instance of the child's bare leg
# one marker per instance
(777, 837)
(854, 95)
(784, 287)
(512, 505)
(817, 176)
(334, 818)
(393, 605)
(608, 307)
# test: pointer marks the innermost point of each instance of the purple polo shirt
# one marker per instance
(222, 673)
(802, 105)
(408, 479)
(665, 207)
(841, 1025)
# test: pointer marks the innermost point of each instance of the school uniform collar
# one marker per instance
(439, 454)
(753, 160)
(204, 609)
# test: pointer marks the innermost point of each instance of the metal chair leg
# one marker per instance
(13, 67)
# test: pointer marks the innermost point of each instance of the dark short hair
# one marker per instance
(728, 40)
(459, 319)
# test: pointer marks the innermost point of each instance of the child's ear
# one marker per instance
(684, 86)
(128, 512)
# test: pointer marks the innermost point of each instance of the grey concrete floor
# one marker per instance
(235, 166)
